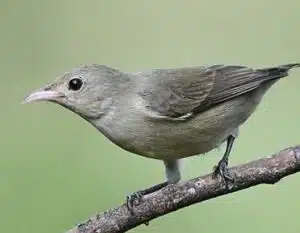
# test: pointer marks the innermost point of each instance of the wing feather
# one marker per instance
(173, 93)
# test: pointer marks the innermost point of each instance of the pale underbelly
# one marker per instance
(175, 140)
(172, 148)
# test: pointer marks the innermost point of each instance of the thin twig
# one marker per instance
(263, 171)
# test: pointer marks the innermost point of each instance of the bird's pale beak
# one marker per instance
(42, 95)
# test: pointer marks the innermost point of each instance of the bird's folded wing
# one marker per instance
(174, 93)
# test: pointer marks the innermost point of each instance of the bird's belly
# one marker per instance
(196, 136)
(163, 140)
(182, 142)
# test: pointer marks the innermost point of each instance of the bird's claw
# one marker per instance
(222, 170)
(132, 200)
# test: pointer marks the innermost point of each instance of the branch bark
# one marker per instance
(267, 170)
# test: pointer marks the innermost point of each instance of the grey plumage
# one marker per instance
(165, 114)
(196, 89)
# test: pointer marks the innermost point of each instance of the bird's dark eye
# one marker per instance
(75, 84)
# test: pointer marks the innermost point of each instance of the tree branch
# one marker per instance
(267, 170)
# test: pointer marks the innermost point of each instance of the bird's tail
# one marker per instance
(279, 71)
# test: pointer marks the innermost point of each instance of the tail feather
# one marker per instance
(279, 71)
(290, 66)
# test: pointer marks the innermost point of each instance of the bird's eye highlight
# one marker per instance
(75, 84)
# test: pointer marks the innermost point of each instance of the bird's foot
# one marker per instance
(133, 199)
(222, 170)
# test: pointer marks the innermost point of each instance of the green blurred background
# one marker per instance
(56, 170)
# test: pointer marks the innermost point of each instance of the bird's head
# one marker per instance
(88, 90)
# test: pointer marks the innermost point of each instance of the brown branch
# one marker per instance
(263, 171)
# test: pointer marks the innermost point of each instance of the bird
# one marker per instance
(166, 114)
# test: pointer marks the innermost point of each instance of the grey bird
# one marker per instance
(165, 114)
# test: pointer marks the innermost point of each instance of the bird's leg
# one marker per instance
(222, 167)
(173, 176)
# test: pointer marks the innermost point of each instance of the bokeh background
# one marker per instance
(56, 170)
